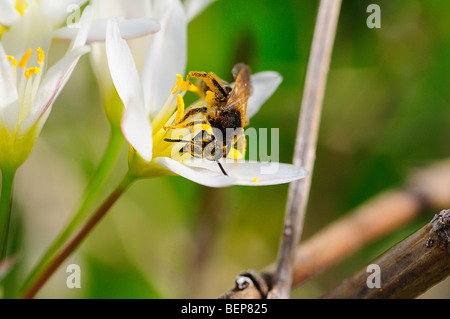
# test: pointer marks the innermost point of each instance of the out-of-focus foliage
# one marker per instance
(386, 111)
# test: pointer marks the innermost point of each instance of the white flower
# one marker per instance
(25, 23)
(134, 10)
(28, 90)
(194, 7)
(148, 110)
(31, 23)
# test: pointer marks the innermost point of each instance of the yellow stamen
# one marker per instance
(41, 55)
(186, 85)
(12, 59)
(255, 180)
(21, 6)
(181, 84)
(24, 60)
(180, 108)
(30, 71)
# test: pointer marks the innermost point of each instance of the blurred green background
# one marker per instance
(386, 111)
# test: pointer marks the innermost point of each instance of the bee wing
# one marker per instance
(238, 98)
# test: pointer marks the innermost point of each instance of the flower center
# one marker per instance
(27, 79)
(187, 133)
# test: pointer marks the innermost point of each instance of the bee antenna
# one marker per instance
(221, 168)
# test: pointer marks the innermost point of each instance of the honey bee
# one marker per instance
(224, 116)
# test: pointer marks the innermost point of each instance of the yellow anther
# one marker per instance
(201, 103)
(180, 101)
(12, 59)
(24, 60)
(234, 154)
(30, 71)
(181, 84)
(255, 180)
(180, 109)
(41, 55)
(21, 6)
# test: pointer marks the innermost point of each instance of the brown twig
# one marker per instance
(306, 141)
(380, 216)
(408, 269)
(429, 187)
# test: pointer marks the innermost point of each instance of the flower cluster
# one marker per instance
(138, 51)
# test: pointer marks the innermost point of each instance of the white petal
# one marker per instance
(8, 14)
(52, 84)
(59, 11)
(9, 104)
(129, 9)
(8, 92)
(264, 85)
(197, 175)
(166, 56)
(129, 29)
(195, 7)
(252, 173)
(122, 67)
(31, 31)
(85, 23)
(137, 130)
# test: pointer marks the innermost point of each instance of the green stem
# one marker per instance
(35, 285)
(5, 208)
(92, 190)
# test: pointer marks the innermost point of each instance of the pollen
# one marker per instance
(41, 55)
(180, 101)
(12, 59)
(30, 71)
(203, 127)
(25, 58)
(210, 97)
(180, 85)
(255, 180)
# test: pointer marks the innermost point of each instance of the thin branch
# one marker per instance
(53, 265)
(379, 216)
(306, 141)
(408, 269)
(425, 188)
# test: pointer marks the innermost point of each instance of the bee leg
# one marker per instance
(193, 111)
(221, 168)
(178, 140)
(199, 125)
(212, 82)
(181, 117)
